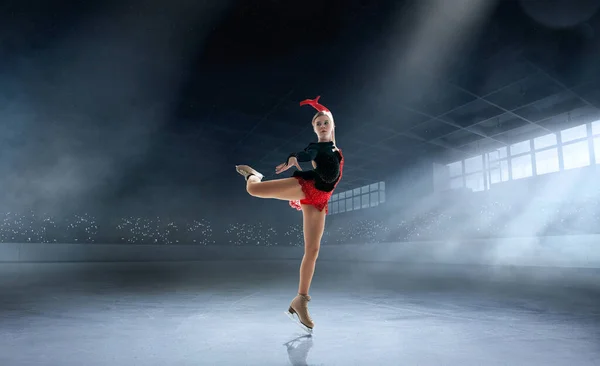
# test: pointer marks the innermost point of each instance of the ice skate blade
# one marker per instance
(297, 321)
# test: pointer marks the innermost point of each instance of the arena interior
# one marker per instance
(465, 229)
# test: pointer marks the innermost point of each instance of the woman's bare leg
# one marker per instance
(286, 189)
(314, 226)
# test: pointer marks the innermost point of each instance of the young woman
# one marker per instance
(308, 191)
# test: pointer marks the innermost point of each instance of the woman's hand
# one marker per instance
(292, 161)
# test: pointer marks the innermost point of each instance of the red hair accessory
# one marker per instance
(315, 104)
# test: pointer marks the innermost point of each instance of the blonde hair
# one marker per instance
(328, 114)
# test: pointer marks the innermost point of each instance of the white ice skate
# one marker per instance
(247, 171)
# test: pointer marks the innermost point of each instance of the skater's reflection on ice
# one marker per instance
(298, 349)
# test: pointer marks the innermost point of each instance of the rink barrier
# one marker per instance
(582, 251)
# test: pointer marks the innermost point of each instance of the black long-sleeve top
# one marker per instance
(327, 160)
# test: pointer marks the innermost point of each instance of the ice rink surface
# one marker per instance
(232, 313)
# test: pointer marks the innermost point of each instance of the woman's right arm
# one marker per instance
(308, 154)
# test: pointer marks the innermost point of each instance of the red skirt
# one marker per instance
(312, 196)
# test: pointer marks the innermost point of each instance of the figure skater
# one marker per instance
(307, 191)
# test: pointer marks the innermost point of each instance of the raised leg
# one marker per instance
(287, 189)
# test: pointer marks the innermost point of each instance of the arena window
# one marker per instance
(358, 198)
(571, 148)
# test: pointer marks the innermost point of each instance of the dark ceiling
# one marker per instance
(398, 94)
(515, 79)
